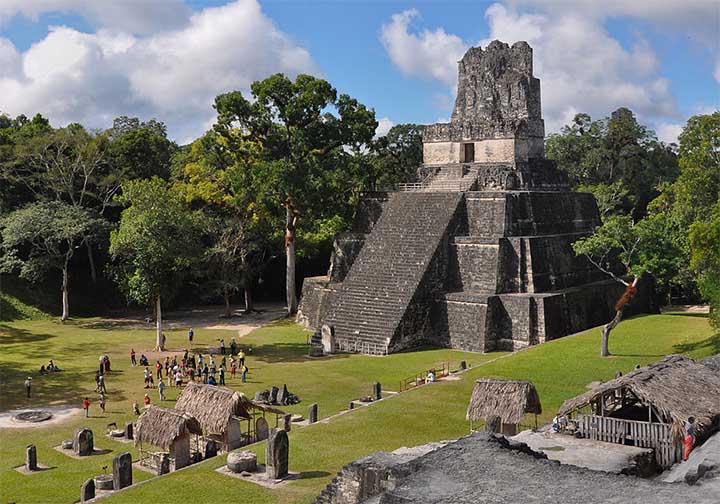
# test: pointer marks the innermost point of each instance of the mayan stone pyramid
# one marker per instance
(476, 254)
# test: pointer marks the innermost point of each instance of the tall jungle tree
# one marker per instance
(301, 127)
(155, 246)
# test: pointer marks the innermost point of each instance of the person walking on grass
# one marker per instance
(132, 357)
(222, 375)
(233, 367)
(86, 407)
(101, 385)
(222, 346)
(146, 401)
(28, 386)
(190, 336)
(161, 390)
(102, 402)
(205, 373)
(244, 371)
(158, 369)
(241, 358)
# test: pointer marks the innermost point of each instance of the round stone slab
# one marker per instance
(104, 482)
(239, 462)
(33, 416)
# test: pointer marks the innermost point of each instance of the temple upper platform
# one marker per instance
(497, 115)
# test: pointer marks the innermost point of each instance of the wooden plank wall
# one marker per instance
(657, 436)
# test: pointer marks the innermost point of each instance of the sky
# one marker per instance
(90, 61)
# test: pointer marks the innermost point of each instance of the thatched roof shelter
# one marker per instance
(213, 406)
(508, 399)
(162, 426)
(676, 386)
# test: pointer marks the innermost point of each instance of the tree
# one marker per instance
(44, 236)
(626, 251)
(139, 149)
(600, 155)
(155, 245)
(68, 165)
(298, 141)
(705, 248)
(396, 156)
(692, 197)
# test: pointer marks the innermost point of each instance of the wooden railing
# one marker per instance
(657, 436)
(441, 370)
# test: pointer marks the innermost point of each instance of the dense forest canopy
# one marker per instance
(279, 175)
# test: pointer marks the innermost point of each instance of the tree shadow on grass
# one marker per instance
(64, 388)
(313, 474)
(713, 343)
(13, 336)
(285, 352)
(685, 314)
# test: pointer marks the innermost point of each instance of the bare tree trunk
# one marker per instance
(290, 253)
(226, 296)
(91, 260)
(607, 328)
(159, 336)
(248, 300)
(65, 296)
(604, 352)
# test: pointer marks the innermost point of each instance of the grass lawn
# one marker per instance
(560, 369)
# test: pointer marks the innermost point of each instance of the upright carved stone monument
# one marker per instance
(261, 429)
(313, 413)
(83, 442)
(276, 454)
(122, 471)
(87, 490)
(31, 458)
(377, 391)
(477, 253)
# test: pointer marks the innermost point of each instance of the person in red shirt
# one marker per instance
(146, 400)
(132, 357)
(158, 368)
(86, 407)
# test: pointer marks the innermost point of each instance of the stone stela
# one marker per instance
(476, 253)
(276, 454)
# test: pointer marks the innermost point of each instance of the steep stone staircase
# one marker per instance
(453, 178)
(388, 270)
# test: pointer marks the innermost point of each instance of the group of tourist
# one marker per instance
(193, 367)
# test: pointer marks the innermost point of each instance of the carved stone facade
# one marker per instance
(479, 256)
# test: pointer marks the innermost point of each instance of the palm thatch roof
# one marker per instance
(508, 399)
(162, 426)
(213, 406)
(676, 386)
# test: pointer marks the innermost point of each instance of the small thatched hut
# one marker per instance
(218, 409)
(169, 430)
(506, 400)
(647, 407)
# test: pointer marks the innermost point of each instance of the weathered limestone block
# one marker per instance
(312, 413)
(129, 427)
(283, 395)
(287, 422)
(238, 462)
(328, 338)
(83, 442)
(261, 429)
(273, 399)
(87, 490)
(277, 453)
(122, 471)
(31, 458)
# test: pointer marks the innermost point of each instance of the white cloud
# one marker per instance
(132, 16)
(384, 125)
(173, 75)
(429, 54)
(668, 132)
(581, 66)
